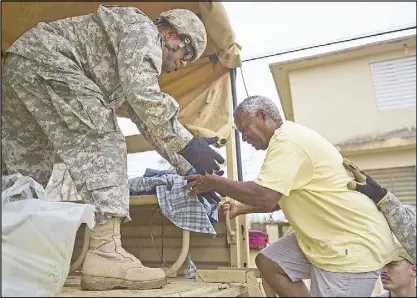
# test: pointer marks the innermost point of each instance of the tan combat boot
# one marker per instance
(108, 266)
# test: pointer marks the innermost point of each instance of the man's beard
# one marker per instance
(167, 64)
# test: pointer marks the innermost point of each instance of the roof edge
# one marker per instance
(373, 45)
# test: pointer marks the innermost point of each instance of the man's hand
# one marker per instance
(232, 207)
(200, 183)
(203, 158)
(364, 183)
(211, 197)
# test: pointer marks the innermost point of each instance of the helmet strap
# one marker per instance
(167, 66)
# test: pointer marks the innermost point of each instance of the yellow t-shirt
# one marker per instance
(338, 230)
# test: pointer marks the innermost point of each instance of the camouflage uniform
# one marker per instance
(402, 221)
(385, 294)
(177, 161)
(401, 218)
(65, 79)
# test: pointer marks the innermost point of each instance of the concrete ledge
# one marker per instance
(387, 145)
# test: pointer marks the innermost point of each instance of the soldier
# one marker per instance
(399, 276)
(401, 218)
(62, 83)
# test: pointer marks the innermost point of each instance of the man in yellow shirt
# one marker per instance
(340, 239)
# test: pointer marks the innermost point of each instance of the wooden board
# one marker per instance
(254, 270)
(227, 276)
(177, 287)
(234, 291)
(254, 286)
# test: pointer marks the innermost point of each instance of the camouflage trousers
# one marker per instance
(45, 111)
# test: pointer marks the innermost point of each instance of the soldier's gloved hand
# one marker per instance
(203, 158)
(211, 197)
(364, 183)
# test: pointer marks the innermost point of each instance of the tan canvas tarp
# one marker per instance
(204, 93)
(203, 90)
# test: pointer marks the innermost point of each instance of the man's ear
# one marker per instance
(262, 114)
(413, 270)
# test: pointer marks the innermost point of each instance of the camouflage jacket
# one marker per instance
(402, 221)
(384, 294)
(120, 50)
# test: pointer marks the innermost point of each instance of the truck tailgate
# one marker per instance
(177, 287)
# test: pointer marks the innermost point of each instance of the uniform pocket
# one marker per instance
(80, 104)
(109, 193)
(99, 182)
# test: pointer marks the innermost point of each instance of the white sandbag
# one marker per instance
(37, 238)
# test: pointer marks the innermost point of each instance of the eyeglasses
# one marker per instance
(188, 54)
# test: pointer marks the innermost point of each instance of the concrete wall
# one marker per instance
(383, 160)
(272, 231)
(338, 100)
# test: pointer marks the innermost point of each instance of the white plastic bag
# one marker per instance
(37, 238)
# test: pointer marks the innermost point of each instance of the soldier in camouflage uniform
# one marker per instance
(399, 276)
(401, 218)
(62, 83)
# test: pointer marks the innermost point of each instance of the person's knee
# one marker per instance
(265, 264)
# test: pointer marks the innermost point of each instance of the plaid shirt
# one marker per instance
(187, 213)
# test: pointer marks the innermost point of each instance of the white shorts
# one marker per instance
(288, 255)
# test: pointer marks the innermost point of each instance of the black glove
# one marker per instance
(203, 158)
(211, 197)
(364, 183)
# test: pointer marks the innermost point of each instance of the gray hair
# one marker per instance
(254, 103)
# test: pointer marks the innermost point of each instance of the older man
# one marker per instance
(62, 82)
(341, 240)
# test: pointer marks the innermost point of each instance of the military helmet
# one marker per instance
(188, 25)
(402, 253)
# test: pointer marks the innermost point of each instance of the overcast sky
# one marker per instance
(270, 27)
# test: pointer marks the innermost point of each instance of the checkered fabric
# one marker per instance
(188, 213)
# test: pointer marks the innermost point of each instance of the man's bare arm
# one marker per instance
(247, 209)
(248, 192)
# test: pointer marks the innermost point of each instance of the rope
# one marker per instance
(153, 242)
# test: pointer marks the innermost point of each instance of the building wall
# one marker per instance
(394, 170)
(383, 160)
(338, 100)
